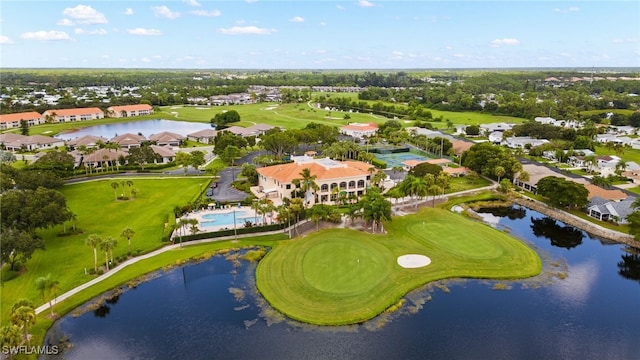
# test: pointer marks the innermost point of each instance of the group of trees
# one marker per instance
(107, 244)
(220, 120)
(16, 332)
(491, 161)
(186, 159)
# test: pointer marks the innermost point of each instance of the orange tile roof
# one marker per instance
(438, 161)
(413, 163)
(360, 127)
(137, 107)
(457, 170)
(76, 111)
(286, 173)
(614, 195)
(19, 116)
(460, 146)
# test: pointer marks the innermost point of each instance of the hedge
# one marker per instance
(230, 232)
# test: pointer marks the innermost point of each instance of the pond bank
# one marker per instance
(569, 219)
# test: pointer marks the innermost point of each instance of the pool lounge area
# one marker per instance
(227, 218)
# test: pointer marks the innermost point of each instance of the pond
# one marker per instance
(583, 306)
(144, 127)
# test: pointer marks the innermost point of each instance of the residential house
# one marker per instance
(414, 130)
(254, 130)
(524, 142)
(105, 158)
(129, 110)
(72, 115)
(621, 130)
(88, 141)
(12, 121)
(495, 137)
(460, 146)
(166, 138)
(332, 177)
(205, 136)
(359, 130)
(165, 153)
(17, 142)
(486, 129)
(128, 140)
(456, 171)
(606, 210)
(545, 120)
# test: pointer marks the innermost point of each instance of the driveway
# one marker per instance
(224, 192)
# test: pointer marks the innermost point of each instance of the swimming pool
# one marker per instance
(226, 219)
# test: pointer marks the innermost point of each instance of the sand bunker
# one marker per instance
(412, 261)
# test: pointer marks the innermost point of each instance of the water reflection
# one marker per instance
(510, 212)
(577, 285)
(629, 267)
(561, 236)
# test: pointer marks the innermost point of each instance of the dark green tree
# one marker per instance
(563, 192)
(18, 246)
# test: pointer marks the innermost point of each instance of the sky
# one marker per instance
(318, 34)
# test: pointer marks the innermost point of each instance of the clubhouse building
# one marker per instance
(332, 177)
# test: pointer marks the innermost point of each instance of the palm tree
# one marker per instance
(433, 190)
(499, 172)
(94, 241)
(308, 184)
(128, 233)
(23, 315)
(266, 206)
(590, 161)
(115, 186)
(414, 186)
(443, 180)
(129, 185)
(46, 284)
(107, 245)
(621, 165)
(524, 176)
(255, 206)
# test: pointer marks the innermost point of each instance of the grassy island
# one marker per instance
(342, 276)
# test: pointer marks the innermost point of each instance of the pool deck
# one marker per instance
(200, 216)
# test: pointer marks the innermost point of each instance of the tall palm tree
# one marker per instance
(94, 241)
(308, 184)
(499, 172)
(115, 185)
(128, 233)
(414, 186)
(45, 285)
(129, 185)
(266, 206)
(107, 244)
(23, 315)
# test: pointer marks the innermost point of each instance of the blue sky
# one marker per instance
(358, 34)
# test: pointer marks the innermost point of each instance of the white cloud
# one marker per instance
(505, 41)
(322, 23)
(567, 10)
(45, 35)
(85, 14)
(365, 3)
(191, 2)
(5, 40)
(339, 7)
(129, 11)
(297, 19)
(144, 32)
(145, 60)
(627, 40)
(80, 31)
(206, 13)
(104, 56)
(251, 1)
(246, 30)
(163, 11)
(65, 22)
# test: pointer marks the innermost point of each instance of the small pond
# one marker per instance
(144, 127)
(583, 306)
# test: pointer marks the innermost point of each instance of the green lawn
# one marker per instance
(343, 276)
(66, 258)
(628, 155)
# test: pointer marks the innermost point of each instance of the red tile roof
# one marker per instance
(360, 127)
(288, 172)
(76, 111)
(19, 116)
(138, 107)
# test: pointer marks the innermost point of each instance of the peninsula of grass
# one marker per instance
(67, 257)
(342, 276)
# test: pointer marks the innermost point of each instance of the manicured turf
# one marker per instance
(343, 276)
(67, 257)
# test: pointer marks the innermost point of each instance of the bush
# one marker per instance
(380, 164)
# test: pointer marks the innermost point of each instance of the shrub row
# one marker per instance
(230, 232)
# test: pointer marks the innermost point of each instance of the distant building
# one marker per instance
(129, 110)
(12, 121)
(359, 130)
(72, 115)
(17, 142)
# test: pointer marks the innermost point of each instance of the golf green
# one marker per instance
(343, 276)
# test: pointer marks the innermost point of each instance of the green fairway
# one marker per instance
(67, 257)
(343, 276)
